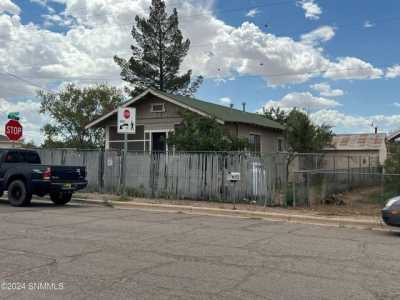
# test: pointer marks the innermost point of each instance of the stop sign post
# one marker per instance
(126, 124)
(13, 130)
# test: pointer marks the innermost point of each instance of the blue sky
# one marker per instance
(337, 60)
(378, 45)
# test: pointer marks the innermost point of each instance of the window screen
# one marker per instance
(255, 143)
(280, 145)
(157, 107)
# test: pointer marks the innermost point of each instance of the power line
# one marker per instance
(376, 21)
(210, 78)
(183, 16)
(28, 82)
(228, 42)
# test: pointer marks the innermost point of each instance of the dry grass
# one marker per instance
(356, 203)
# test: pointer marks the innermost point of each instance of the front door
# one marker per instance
(159, 141)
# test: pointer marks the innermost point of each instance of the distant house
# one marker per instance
(394, 137)
(6, 143)
(158, 114)
(361, 145)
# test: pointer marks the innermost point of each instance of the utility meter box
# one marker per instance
(233, 176)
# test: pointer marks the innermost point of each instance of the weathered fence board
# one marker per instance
(199, 176)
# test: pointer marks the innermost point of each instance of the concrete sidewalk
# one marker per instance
(363, 222)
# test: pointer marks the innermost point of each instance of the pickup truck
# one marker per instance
(22, 175)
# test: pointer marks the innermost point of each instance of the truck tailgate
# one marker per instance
(67, 173)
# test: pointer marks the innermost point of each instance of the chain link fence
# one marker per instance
(318, 187)
(318, 178)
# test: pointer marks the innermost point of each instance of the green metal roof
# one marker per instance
(224, 113)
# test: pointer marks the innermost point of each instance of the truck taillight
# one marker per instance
(47, 174)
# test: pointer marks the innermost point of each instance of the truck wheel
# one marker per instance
(60, 198)
(17, 194)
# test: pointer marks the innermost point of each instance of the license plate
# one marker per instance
(67, 186)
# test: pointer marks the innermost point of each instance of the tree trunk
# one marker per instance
(161, 65)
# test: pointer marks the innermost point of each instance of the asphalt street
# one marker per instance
(93, 252)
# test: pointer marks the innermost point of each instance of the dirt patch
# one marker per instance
(360, 202)
(363, 202)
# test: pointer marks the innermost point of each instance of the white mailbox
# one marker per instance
(233, 176)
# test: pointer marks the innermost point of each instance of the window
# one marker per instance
(255, 143)
(13, 157)
(280, 145)
(31, 157)
(157, 107)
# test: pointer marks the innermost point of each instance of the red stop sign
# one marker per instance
(127, 114)
(13, 130)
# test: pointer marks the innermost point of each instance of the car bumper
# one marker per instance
(67, 186)
(45, 187)
(391, 217)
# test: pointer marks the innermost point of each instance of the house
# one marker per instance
(6, 143)
(159, 113)
(394, 137)
(364, 146)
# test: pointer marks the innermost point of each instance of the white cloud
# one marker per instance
(368, 24)
(321, 34)
(397, 104)
(101, 29)
(42, 3)
(311, 9)
(225, 100)
(9, 7)
(252, 13)
(352, 68)
(304, 100)
(393, 72)
(349, 123)
(57, 19)
(248, 50)
(218, 50)
(325, 89)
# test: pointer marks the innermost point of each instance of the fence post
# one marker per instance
(382, 187)
(100, 183)
(294, 191)
(122, 171)
(348, 173)
(359, 170)
(334, 169)
(308, 188)
(63, 157)
(369, 163)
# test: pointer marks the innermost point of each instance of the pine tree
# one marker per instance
(157, 54)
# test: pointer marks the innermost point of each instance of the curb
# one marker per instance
(295, 218)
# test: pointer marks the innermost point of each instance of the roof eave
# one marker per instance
(155, 93)
(282, 128)
(111, 113)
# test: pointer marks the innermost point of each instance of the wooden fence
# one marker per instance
(197, 176)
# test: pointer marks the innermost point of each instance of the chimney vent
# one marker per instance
(231, 105)
(244, 106)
